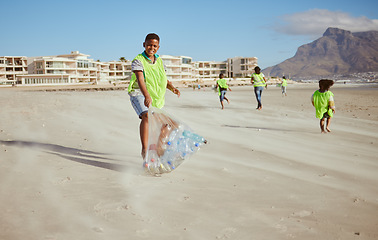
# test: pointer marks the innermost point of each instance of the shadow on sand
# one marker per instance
(91, 158)
(257, 128)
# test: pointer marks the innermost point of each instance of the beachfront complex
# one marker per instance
(11, 67)
(76, 67)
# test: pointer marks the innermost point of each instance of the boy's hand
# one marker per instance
(147, 101)
(176, 91)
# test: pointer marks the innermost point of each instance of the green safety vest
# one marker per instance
(284, 83)
(258, 80)
(155, 79)
(321, 103)
(222, 83)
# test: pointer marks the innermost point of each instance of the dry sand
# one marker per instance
(70, 167)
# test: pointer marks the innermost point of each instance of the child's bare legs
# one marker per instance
(222, 104)
(143, 130)
(227, 100)
(328, 123)
(322, 125)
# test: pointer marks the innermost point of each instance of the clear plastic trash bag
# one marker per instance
(170, 142)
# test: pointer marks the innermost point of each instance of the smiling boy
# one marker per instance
(148, 84)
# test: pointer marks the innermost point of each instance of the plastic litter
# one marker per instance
(170, 142)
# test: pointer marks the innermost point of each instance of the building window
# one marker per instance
(82, 64)
(39, 65)
(186, 61)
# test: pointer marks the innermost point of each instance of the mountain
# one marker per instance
(336, 52)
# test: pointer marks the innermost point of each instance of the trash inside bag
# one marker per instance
(170, 142)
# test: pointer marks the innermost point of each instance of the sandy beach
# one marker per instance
(70, 167)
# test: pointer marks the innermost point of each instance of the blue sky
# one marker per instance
(204, 30)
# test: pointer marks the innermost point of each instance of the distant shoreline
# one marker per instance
(123, 86)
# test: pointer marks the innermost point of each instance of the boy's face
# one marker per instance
(151, 47)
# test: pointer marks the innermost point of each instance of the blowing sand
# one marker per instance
(70, 167)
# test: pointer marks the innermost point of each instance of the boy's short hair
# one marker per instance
(325, 84)
(152, 36)
(220, 75)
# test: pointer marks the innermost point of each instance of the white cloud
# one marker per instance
(315, 22)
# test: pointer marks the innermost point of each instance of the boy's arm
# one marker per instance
(331, 104)
(173, 89)
(143, 88)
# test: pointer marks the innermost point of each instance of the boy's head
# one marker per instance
(257, 69)
(151, 44)
(325, 84)
(152, 36)
(221, 75)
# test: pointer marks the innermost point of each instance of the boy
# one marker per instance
(148, 84)
(222, 89)
(324, 104)
(283, 86)
(259, 82)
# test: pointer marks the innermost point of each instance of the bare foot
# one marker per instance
(328, 130)
(143, 153)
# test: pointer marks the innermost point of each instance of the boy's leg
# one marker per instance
(328, 123)
(143, 130)
(258, 92)
(221, 97)
(137, 101)
(322, 125)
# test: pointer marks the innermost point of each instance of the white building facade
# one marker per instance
(241, 67)
(78, 68)
(10, 67)
(179, 68)
(210, 70)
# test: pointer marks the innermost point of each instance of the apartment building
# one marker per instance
(119, 71)
(10, 67)
(210, 70)
(241, 67)
(73, 68)
(76, 67)
(179, 68)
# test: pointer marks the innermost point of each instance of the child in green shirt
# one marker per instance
(324, 104)
(222, 89)
(148, 84)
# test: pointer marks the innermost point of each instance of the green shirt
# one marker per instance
(258, 80)
(222, 84)
(154, 78)
(321, 103)
(284, 82)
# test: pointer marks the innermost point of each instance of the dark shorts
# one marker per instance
(326, 115)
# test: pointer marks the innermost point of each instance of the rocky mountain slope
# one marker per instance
(336, 52)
